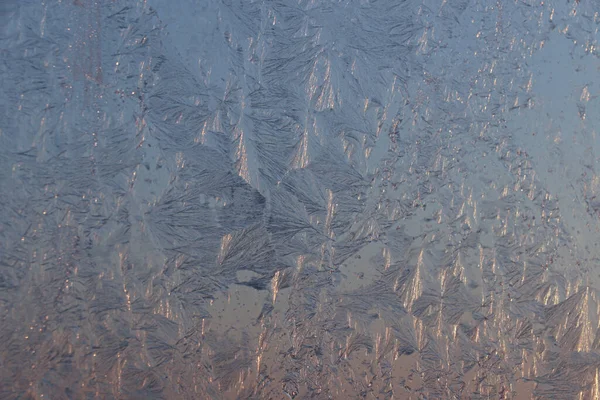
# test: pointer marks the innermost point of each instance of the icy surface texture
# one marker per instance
(239, 199)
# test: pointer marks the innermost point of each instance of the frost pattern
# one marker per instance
(299, 199)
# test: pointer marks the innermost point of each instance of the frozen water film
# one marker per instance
(299, 199)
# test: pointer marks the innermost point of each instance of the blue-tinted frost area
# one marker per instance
(242, 199)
